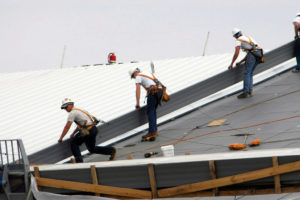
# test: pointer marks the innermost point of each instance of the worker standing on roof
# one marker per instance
(253, 57)
(154, 94)
(296, 23)
(85, 132)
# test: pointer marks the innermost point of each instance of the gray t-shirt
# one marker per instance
(79, 117)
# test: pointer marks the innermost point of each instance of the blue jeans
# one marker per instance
(90, 142)
(297, 51)
(251, 63)
(152, 103)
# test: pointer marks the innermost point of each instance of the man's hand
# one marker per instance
(137, 106)
(60, 140)
(239, 63)
(296, 37)
(230, 67)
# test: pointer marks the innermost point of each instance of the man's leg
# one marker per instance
(248, 74)
(76, 141)
(151, 112)
(251, 75)
(90, 143)
(298, 53)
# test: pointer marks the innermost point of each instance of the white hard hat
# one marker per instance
(298, 14)
(132, 71)
(235, 31)
(66, 102)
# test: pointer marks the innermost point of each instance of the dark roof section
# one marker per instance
(182, 98)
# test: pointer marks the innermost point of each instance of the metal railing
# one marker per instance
(14, 163)
(12, 152)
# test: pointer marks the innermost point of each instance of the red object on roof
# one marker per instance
(112, 58)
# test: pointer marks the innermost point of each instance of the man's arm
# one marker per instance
(235, 56)
(65, 131)
(243, 60)
(75, 131)
(297, 26)
(138, 94)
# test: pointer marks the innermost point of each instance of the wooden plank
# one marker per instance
(37, 175)
(94, 177)
(212, 169)
(152, 180)
(239, 192)
(230, 180)
(86, 187)
(217, 122)
(73, 160)
(277, 184)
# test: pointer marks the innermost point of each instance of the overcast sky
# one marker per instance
(34, 32)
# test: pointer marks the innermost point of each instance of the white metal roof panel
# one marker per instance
(30, 101)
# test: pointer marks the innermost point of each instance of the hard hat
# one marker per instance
(298, 14)
(132, 71)
(235, 31)
(66, 102)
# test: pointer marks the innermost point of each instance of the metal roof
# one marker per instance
(30, 101)
(270, 115)
(205, 91)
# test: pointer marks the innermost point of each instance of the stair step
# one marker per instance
(17, 196)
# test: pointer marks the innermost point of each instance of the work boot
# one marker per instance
(296, 70)
(113, 154)
(154, 134)
(250, 94)
(243, 96)
(147, 135)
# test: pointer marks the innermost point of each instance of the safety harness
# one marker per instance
(254, 46)
(256, 51)
(92, 118)
(154, 88)
(153, 79)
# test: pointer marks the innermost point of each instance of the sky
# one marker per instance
(34, 33)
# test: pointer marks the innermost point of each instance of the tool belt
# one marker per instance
(258, 54)
(153, 89)
(85, 130)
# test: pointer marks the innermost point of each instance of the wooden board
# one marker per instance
(240, 178)
(86, 187)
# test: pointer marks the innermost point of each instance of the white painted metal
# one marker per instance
(30, 101)
(178, 159)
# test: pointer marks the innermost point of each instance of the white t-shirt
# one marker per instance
(296, 19)
(79, 117)
(146, 82)
(245, 45)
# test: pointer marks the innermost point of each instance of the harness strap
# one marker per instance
(153, 79)
(249, 42)
(89, 115)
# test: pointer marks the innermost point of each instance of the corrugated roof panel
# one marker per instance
(30, 101)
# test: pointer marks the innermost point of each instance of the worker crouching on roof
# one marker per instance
(85, 132)
(154, 94)
(253, 57)
(296, 23)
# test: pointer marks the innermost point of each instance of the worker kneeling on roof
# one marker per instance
(85, 132)
(253, 57)
(154, 95)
